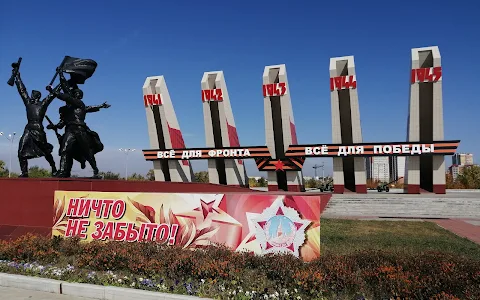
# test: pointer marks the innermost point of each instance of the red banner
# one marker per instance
(244, 222)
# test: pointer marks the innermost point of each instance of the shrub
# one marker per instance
(228, 275)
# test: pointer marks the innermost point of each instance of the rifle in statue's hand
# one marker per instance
(54, 128)
(16, 67)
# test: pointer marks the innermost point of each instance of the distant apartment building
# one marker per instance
(368, 167)
(397, 168)
(459, 162)
(462, 159)
(455, 170)
(378, 168)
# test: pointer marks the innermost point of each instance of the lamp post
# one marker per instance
(126, 152)
(10, 138)
(323, 170)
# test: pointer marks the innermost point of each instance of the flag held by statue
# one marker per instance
(80, 69)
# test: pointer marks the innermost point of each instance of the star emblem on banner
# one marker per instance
(207, 212)
(207, 207)
(279, 229)
(279, 165)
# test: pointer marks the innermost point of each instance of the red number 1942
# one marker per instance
(343, 82)
(152, 100)
(426, 75)
(274, 89)
(212, 95)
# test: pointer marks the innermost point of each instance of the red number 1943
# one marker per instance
(343, 82)
(274, 89)
(152, 100)
(426, 75)
(212, 95)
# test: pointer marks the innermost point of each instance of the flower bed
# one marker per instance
(217, 272)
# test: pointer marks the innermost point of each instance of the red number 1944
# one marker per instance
(343, 82)
(274, 89)
(212, 95)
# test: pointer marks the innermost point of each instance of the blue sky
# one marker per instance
(131, 40)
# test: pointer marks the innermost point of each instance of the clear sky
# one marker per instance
(131, 40)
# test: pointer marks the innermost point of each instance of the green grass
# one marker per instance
(345, 236)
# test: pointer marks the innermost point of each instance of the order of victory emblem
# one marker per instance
(280, 229)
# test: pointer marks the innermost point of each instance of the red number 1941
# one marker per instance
(152, 100)
(426, 75)
(212, 95)
(343, 82)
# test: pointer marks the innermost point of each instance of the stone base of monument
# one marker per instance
(26, 204)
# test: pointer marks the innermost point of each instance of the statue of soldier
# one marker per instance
(78, 154)
(33, 143)
(77, 136)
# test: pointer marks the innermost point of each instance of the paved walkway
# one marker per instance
(469, 229)
(8, 293)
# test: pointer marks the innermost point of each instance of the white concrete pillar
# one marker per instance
(216, 103)
(164, 131)
(343, 88)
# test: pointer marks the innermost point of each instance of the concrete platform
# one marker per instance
(454, 204)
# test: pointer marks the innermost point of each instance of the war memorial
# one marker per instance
(175, 210)
(283, 157)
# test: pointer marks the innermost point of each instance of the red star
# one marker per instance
(206, 208)
(279, 165)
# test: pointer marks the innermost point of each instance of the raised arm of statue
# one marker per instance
(95, 108)
(60, 124)
(69, 99)
(47, 100)
(64, 84)
(22, 90)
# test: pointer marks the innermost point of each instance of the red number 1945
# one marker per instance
(212, 95)
(274, 89)
(343, 82)
(426, 75)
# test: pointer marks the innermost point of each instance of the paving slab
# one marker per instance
(10, 293)
(461, 228)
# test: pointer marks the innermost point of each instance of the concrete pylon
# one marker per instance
(280, 129)
(425, 121)
(348, 172)
(220, 130)
(164, 131)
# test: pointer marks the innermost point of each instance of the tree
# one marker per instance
(201, 177)
(311, 183)
(262, 182)
(372, 183)
(137, 177)
(450, 183)
(3, 169)
(109, 175)
(37, 172)
(470, 177)
(252, 182)
(150, 175)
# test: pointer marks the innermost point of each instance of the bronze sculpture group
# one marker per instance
(78, 142)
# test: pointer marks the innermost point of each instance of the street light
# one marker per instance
(126, 152)
(323, 170)
(10, 138)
